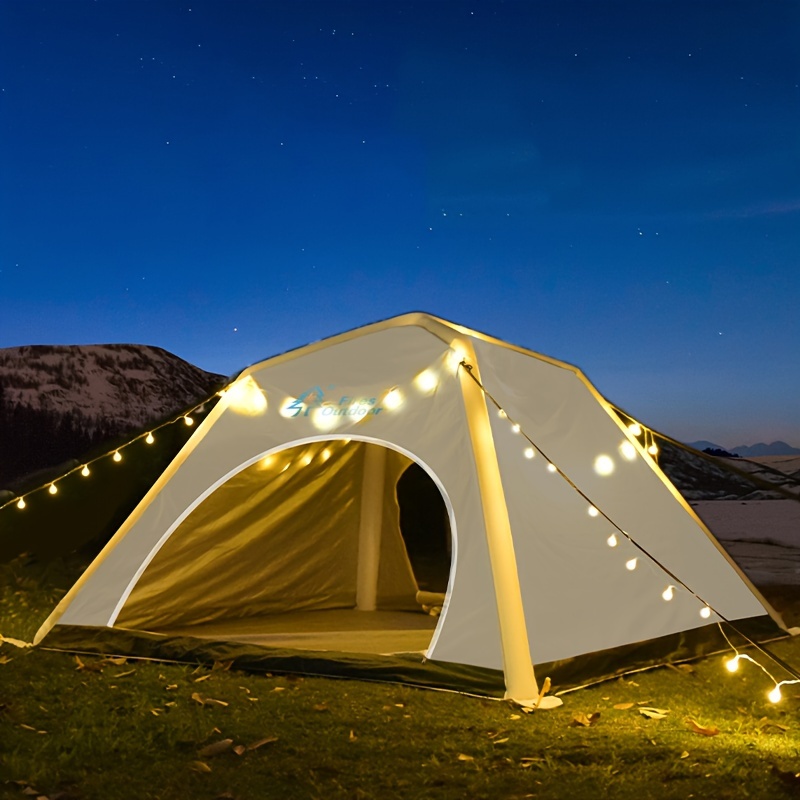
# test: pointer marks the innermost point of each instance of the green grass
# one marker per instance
(95, 728)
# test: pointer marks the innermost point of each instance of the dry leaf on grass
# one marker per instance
(206, 701)
(262, 742)
(239, 749)
(684, 754)
(465, 757)
(92, 666)
(654, 713)
(696, 727)
(320, 707)
(215, 748)
(199, 766)
(581, 720)
(623, 706)
(125, 674)
(765, 723)
(202, 678)
(353, 736)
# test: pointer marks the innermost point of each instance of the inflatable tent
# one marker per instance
(277, 528)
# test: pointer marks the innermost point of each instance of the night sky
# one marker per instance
(614, 184)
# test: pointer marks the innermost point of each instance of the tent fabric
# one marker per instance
(263, 510)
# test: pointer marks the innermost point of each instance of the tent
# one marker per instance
(277, 530)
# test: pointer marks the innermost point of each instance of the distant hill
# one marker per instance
(58, 401)
(748, 451)
(761, 449)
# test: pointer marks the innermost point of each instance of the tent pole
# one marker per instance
(369, 532)
(521, 683)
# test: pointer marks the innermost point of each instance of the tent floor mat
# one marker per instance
(342, 630)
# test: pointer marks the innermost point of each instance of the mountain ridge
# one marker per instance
(777, 448)
(57, 401)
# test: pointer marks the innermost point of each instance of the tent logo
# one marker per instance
(344, 406)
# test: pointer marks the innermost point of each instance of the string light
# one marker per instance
(593, 512)
(515, 427)
(53, 489)
(604, 465)
(529, 452)
(393, 399)
(628, 451)
(426, 381)
(85, 470)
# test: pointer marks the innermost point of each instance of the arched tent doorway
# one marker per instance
(280, 553)
(425, 527)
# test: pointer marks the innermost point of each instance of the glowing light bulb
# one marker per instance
(551, 468)
(426, 381)
(53, 489)
(604, 465)
(529, 452)
(117, 456)
(85, 471)
(612, 540)
(455, 356)
(515, 427)
(775, 695)
(631, 564)
(21, 503)
(393, 399)
(705, 612)
(150, 438)
(653, 449)
(188, 420)
(502, 414)
(635, 429)
(627, 450)
(732, 664)
(246, 397)
(592, 511)
(668, 593)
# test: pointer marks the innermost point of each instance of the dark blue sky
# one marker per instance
(613, 184)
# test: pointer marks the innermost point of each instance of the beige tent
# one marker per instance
(277, 525)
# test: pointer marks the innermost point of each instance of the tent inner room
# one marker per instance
(329, 545)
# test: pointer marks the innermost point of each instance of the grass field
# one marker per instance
(89, 728)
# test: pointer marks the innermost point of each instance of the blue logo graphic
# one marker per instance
(314, 398)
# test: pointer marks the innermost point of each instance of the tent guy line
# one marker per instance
(706, 607)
